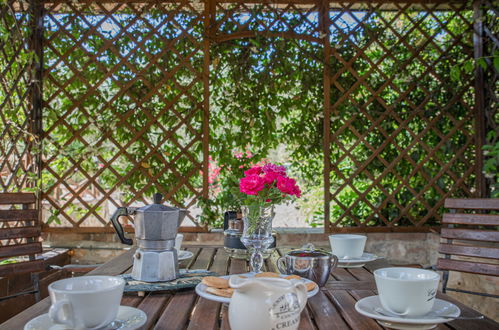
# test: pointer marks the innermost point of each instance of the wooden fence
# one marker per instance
(119, 95)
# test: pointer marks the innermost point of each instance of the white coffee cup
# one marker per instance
(87, 302)
(178, 242)
(407, 291)
(347, 246)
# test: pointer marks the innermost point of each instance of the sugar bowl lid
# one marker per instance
(309, 251)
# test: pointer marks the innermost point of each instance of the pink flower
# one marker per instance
(274, 168)
(297, 191)
(270, 177)
(288, 186)
(251, 184)
(254, 170)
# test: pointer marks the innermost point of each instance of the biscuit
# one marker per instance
(267, 274)
(215, 282)
(310, 286)
(293, 277)
(220, 292)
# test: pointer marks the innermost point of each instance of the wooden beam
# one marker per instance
(22, 267)
(468, 267)
(471, 219)
(17, 198)
(20, 249)
(469, 251)
(324, 23)
(472, 235)
(18, 215)
(19, 232)
(480, 120)
(472, 203)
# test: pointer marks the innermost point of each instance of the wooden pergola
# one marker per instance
(47, 89)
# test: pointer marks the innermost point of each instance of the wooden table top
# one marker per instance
(331, 308)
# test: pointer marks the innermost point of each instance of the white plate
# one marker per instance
(130, 317)
(367, 306)
(357, 262)
(183, 255)
(201, 289)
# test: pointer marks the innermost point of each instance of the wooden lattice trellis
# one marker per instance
(403, 92)
(19, 100)
(136, 92)
(17, 129)
(126, 110)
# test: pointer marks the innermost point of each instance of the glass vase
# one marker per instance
(257, 232)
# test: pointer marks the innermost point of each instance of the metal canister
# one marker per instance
(315, 265)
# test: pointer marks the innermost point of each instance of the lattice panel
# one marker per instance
(401, 132)
(123, 107)
(18, 171)
(249, 19)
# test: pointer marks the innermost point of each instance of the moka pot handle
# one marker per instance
(121, 211)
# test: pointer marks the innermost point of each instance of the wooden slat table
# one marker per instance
(331, 308)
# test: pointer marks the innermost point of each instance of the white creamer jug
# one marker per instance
(266, 303)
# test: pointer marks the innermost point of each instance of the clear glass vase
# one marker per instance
(257, 232)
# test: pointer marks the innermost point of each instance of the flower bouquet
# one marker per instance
(260, 189)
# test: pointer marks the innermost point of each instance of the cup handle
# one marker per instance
(334, 263)
(302, 294)
(55, 309)
(281, 265)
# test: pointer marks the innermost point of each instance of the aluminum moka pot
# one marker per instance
(156, 227)
(316, 265)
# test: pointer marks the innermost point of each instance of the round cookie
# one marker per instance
(310, 286)
(220, 292)
(267, 274)
(293, 277)
(215, 282)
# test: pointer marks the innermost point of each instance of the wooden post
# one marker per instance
(480, 120)
(36, 84)
(209, 8)
(324, 28)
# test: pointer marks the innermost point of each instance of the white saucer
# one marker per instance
(183, 255)
(356, 262)
(130, 317)
(367, 306)
(201, 289)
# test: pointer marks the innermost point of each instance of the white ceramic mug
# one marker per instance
(87, 302)
(178, 242)
(407, 291)
(347, 246)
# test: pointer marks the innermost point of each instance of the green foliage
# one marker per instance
(18, 143)
(265, 93)
(491, 164)
(153, 122)
(491, 149)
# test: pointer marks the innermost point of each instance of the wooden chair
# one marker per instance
(470, 235)
(20, 238)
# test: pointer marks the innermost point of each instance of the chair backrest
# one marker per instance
(19, 233)
(470, 235)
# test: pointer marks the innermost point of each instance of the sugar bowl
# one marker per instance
(308, 262)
